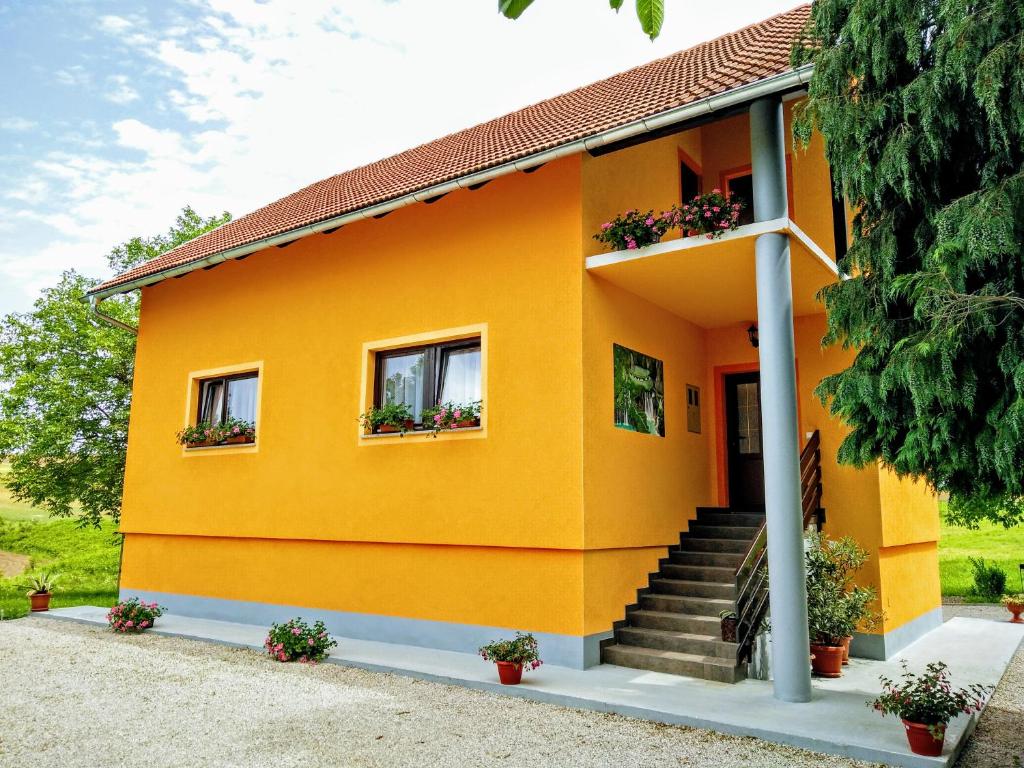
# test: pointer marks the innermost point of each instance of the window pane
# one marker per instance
(743, 188)
(749, 418)
(403, 381)
(211, 401)
(689, 181)
(460, 376)
(242, 399)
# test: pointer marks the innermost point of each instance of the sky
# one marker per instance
(114, 115)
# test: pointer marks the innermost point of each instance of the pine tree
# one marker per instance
(921, 104)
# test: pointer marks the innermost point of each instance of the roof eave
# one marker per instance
(727, 99)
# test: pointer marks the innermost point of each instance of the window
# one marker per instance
(689, 182)
(693, 408)
(228, 397)
(743, 188)
(424, 376)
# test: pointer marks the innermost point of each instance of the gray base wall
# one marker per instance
(571, 651)
(886, 646)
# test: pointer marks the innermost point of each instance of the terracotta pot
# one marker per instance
(201, 444)
(509, 673)
(240, 440)
(729, 626)
(827, 660)
(846, 649)
(40, 601)
(466, 423)
(1016, 609)
(921, 740)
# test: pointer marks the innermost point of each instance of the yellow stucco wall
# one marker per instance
(549, 500)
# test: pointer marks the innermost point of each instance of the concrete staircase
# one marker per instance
(675, 627)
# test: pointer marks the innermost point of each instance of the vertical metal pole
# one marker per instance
(787, 585)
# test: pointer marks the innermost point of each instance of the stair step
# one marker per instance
(680, 642)
(663, 585)
(674, 663)
(675, 622)
(698, 572)
(703, 531)
(698, 606)
(689, 544)
(719, 559)
(731, 518)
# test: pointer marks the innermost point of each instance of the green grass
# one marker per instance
(999, 546)
(85, 560)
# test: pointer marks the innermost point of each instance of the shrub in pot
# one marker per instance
(40, 589)
(1015, 605)
(238, 431)
(632, 230)
(513, 656)
(295, 640)
(388, 418)
(926, 703)
(452, 416)
(133, 615)
(200, 435)
(710, 214)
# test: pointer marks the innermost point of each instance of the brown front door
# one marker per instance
(743, 435)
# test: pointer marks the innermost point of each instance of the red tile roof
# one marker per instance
(736, 59)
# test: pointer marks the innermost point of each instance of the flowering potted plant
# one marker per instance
(40, 589)
(452, 416)
(295, 640)
(388, 418)
(730, 624)
(926, 703)
(238, 431)
(133, 615)
(1015, 605)
(632, 230)
(709, 214)
(201, 435)
(512, 657)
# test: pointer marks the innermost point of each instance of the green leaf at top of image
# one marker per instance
(513, 9)
(615, 4)
(652, 15)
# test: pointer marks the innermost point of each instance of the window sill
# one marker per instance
(414, 433)
(200, 450)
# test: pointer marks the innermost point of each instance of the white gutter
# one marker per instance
(94, 304)
(706, 106)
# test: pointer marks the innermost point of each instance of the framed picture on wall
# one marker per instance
(639, 392)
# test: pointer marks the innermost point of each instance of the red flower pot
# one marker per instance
(201, 444)
(387, 429)
(40, 601)
(240, 440)
(1016, 609)
(921, 740)
(509, 673)
(466, 423)
(846, 649)
(827, 660)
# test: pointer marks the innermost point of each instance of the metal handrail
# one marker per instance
(752, 572)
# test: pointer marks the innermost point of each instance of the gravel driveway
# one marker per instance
(72, 695)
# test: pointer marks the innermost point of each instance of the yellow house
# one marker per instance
(465, 270)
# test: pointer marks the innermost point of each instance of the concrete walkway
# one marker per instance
(838, 720)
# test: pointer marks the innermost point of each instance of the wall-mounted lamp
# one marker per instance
(752, 335)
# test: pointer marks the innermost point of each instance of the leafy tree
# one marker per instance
(921, 105)
(651, 13)
(66, 383)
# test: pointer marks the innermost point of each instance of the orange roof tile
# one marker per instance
(739, 58)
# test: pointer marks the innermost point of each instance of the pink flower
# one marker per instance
(716, 191)
(281, 657)
(437, 418)
(129, 623)
(631, 245)
(296, 631)
(310, 642)
(715, 208)
(606, 225)
(144, 624)
(649, 222)
(457, 413)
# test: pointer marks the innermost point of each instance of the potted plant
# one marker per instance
(926, 703)
(710, 214)
(730, 623)
(1015, 605)
(200, 435)
(632, 230)
(388, 418)
(238, 431)
(40, 589)
(295, 640)
(133, 615)
(512, 657)
(452, 416)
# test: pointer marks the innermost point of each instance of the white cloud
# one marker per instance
(16, 124)
(247, 101)
(120, 91)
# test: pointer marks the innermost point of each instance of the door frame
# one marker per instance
(721, 436)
